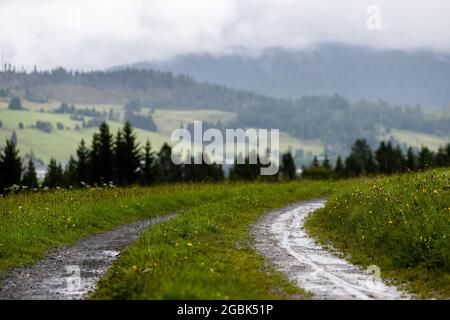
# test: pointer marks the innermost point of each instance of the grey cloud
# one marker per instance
(100, 33)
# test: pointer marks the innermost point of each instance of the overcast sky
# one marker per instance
(93, 34)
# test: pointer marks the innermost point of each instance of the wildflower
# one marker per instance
(189, 244)
(390, 222)
(435, 191)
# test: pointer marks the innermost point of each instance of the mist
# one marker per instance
(98, 34)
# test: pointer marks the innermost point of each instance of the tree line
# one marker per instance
(119, 160)
(386, 159)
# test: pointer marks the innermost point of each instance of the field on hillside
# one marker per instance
(203, 253)
(416, 139)
(400, 223)
(60, 144)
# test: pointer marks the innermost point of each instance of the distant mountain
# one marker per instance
(399, 77)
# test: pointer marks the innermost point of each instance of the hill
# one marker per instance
(395, 76)
(313, 124)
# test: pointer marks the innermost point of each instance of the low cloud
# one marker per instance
(92, 34)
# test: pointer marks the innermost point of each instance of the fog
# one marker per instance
(92, 34)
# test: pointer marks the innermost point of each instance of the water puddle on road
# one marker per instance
(281, 237)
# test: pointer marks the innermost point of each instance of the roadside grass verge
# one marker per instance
(207, 253)
(400, 223)
(33, 223)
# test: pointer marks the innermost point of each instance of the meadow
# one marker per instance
(203, 253)
(61, 144)
(207, 252)
(400, 223)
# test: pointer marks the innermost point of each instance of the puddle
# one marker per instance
(69, 273)
(281, 237)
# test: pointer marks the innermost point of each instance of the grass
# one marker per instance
(31, 224)
(400, 223)
(211, 233)
(417, 139)
(61, 144)
(206, 253)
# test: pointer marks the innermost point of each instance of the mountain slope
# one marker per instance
(398, 77)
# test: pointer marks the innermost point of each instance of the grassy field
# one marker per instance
(60, 144)
(416, 139)
(203, 253)
(400, 223)
(207, 253)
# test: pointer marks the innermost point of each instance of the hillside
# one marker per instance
(398, 77)
(313, 124)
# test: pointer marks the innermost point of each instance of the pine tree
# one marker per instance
(82, 164)
(15, 104)
(168, 172)
(148, 174)
(425, 158)
(339, 169)
(127, 156)
(399, 161)
(101, 156)
(14, 137)
(441, 157)
(10, 166)
(29, 178)
(54, 176)
(94, 164)
(244, 170)
(326, 163)
(70, 173)
(384, 157)
(120, 159)
(411, 160)
(315, 162)
(287, 167)
(106, 156)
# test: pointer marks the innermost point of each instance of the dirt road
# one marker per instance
(281, 237)
(72, 272)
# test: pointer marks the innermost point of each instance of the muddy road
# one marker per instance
(280, 236)
(69, 273)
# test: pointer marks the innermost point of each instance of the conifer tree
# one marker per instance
(339, 169)
(101, 156)
(148, 170)
(29, 178)
(411, 160)
(54, 176)
(70, 173)
(82, 163)
(287, 167)
(10, 166)
(128, 158)
(168, 172)
(425, 158)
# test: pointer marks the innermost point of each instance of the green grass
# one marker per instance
(400, 223)
(59, 144)
(206, 253)
(417, 139)
(30, 224)
(203, 253)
